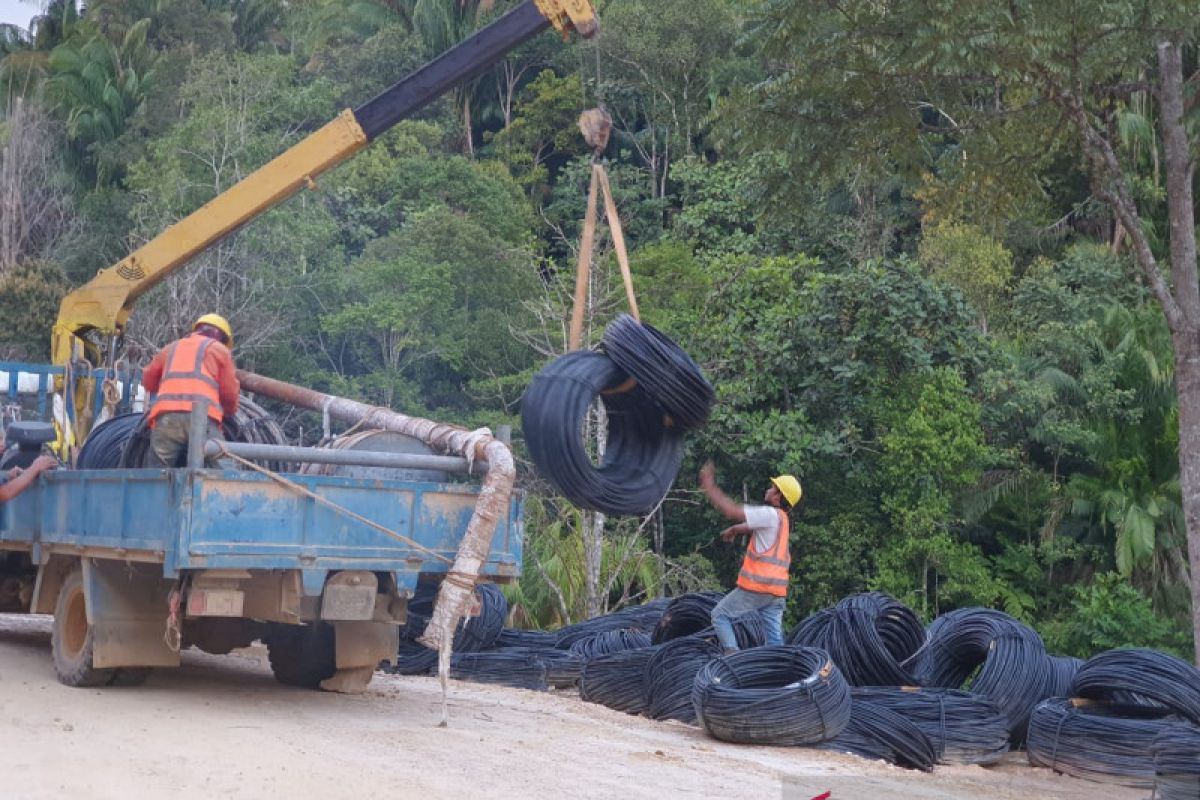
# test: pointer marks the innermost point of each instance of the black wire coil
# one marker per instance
(642, 454)
(685, 615)
(515, 637)
(473, 634)
(1176, 753)
(1149, 674)
(641, 617)
(1013, 668)
(605, 642)
(1097, 741)
(617, 680)
(781, 695)
(881, 734)
(670, 376)
(521, 667)
(103, 447)
(670, 673)
(867, 635)
(963, 728)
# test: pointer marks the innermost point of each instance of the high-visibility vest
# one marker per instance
(767, 573)
(185, 380)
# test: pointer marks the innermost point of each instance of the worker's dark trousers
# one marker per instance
(169, 440)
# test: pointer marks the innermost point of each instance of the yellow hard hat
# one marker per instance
(218, 322)
(789, 487)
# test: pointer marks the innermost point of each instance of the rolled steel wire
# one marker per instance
(781, 695)
(881, 734)
(474, 633)
(1176, 753)
(617, 680)
(1013, 668)
(1097, 741)
(515, 637)
(1062, 674)
(605, 642)
(670, 673)
(669, 375)
(685, 615)
(507, 667)
(642, 454)
(955, 645)
(963, 728)
(868, 636)
(1150, 674)
(103, 447)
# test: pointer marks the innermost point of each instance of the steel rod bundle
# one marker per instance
(642, 455)
(963, 728)
(868, 636)
(782, 695)
(669, 375)
(881, 734)
(670, 673)
(1149, 674)
(605, 642)
(617, 680)
(685, 615)
(1096, 741)
(1176, 752)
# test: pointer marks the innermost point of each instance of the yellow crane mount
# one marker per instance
(100, 308)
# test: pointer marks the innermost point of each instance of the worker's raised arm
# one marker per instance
(720, 501)
(26, 477)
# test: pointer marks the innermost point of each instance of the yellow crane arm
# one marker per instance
(105, 303)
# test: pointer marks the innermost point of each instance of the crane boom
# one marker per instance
(105, 303)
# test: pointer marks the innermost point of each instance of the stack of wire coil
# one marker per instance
(963, 728)
(1097, 741)
(868, 635)
(516, 637)
(780, 695)
(536, 668)
(1062, 674)
(1176, 752)
(642, 454)
(617, 680)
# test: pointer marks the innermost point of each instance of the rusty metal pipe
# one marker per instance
(491, 506)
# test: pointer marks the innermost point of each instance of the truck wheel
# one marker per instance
(301, 655)
(71, 639)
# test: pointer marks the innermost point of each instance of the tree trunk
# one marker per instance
(593, 531)
(467, 126)
(1185, 331)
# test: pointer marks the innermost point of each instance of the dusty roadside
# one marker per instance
(221, 727)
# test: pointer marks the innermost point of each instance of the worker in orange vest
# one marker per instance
(763, 580)
(199, 367)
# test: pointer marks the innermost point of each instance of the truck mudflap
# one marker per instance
(127, 610)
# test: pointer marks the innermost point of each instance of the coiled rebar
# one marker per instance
(783, 695)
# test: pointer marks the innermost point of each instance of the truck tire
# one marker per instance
(71, 638)
(301, 655)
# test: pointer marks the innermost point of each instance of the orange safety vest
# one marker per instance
(185, 380)
(767, 573)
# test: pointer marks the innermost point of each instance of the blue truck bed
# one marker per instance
(229, 519)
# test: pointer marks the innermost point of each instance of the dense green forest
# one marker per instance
(908, 288)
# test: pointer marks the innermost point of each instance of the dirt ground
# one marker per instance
(221, 727)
